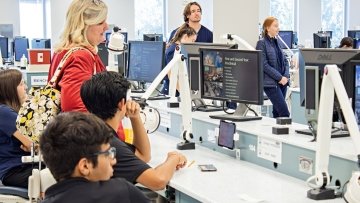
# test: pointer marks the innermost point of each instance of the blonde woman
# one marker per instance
(85, 26)
(13, 145)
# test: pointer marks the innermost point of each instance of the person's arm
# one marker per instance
(141, 139)
(25, 141)
(268, 69)
(157, 178)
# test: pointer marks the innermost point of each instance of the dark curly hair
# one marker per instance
(70, 137)
(103, 92)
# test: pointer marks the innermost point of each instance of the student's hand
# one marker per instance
(180, 157)
(132, 109)
(283, 81)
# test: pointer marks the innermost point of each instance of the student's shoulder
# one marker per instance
(6, 111)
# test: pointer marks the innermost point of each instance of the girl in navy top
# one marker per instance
(13, 145)
(276, 67)
(185, 34)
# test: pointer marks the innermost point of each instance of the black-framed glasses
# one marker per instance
(111, 153)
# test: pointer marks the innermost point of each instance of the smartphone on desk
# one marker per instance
(226, 134)
(207, 167)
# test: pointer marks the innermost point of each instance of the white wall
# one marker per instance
(236, 17)
(310, 15)
(121, 13)
(9, 14)
(354, 15)
(175, 10)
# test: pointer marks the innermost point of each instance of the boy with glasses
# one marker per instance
(76, 149)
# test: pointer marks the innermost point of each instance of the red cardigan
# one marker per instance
(78, 68)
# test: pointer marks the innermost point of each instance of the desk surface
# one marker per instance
(234, 181)
(340, 147)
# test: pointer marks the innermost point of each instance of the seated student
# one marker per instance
(13, 145)
(184, 34)
(76, 149)
(346, 43)
(105, 96)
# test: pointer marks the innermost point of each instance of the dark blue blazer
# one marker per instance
(274, 61)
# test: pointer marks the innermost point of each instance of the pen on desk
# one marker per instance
(191, 163)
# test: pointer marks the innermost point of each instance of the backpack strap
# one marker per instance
(54, 78)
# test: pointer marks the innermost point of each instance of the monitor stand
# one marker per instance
(238, 116)
(199, 105)
(139, 88)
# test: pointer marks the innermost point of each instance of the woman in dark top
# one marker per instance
(276, 67)
(185, 34)
(13, 145)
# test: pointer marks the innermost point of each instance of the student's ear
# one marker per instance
(83, 167)
(121, 105)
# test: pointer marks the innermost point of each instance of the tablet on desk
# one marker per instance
(226, 134)
(207, 167)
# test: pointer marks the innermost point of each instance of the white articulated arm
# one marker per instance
(176, 59)
(239, 40)
(332, 81)
(179, 73)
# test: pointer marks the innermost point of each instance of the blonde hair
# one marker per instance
(79, 16)
(267, 23)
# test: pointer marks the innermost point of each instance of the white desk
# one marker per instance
(234, 180)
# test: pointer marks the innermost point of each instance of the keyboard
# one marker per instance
(235, 118)
(336, 133)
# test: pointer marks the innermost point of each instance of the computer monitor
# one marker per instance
(103, 53)
(4, 46)
(41, 44)
(145, 60)
(192, 53)
(21, 45)
(153, 37)
(227, 74)
(288, 37)
(312, 63)
(355, 35)
(322, 39)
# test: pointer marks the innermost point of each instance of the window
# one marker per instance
(31, 18)
(149, 18)
(283, 10)
(333, 19)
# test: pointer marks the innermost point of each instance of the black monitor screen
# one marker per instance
(229, 74)
(4, 46)
(287, 36)
(41, 44)
(153, 37)
(355, 34)
(145, 60)
(322, 40)
(21, 44)
(357, 43)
